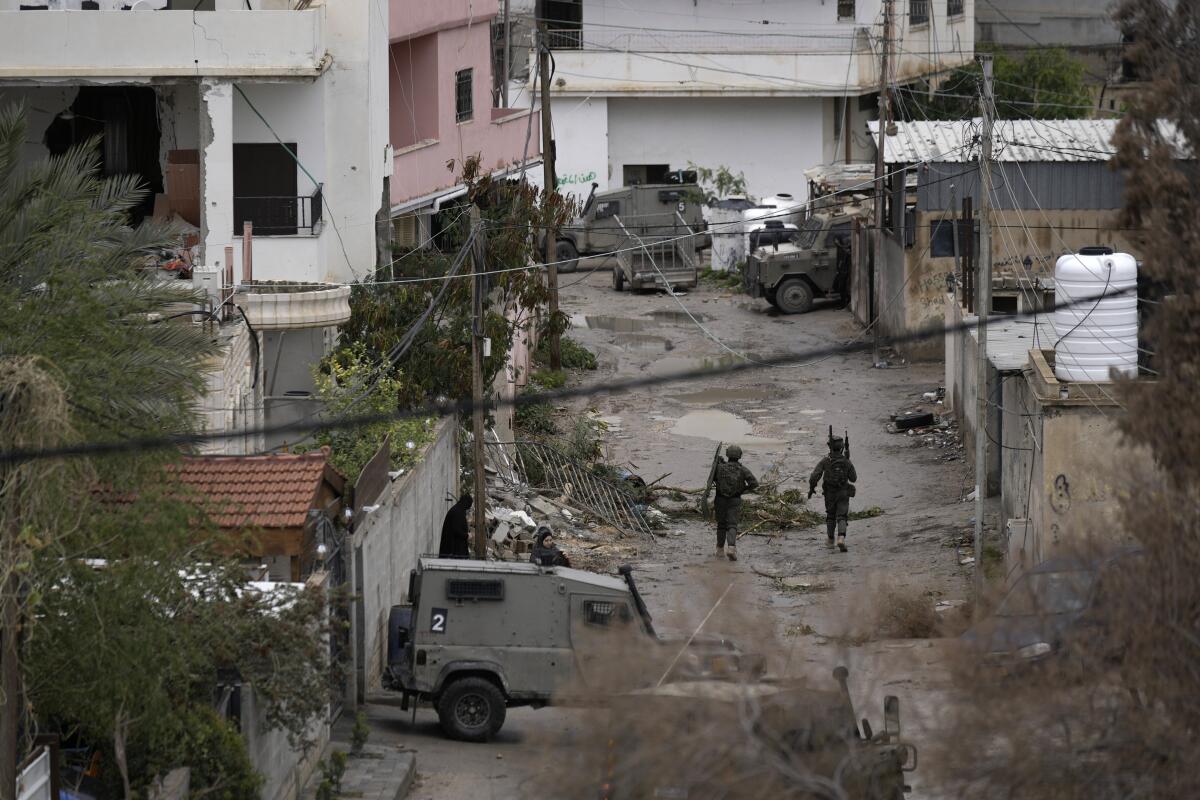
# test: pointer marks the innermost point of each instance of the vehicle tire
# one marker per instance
(794, 296)
(567, 255)
(471, 709)
(769, 295)
(618, 279)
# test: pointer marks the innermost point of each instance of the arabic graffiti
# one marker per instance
(576, 177)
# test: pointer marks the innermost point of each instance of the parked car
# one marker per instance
(1049, 605)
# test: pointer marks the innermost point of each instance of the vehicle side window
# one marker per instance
(607, 209)
(605, 612)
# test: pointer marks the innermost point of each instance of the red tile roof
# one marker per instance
(272, 491)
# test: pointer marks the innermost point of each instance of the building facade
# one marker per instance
(446, 107)
(645, 87)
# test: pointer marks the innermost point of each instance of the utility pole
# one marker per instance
(548, 180)
(477, 355)
(983, 305)
(507, 65)
(877, 273)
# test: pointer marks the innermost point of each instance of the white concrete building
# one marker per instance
(197, 96)
(272, 112)
(642, 87)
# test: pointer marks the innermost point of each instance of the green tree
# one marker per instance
(123, 655)
(1046, 83)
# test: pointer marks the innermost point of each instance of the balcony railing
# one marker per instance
(829, 40)
(918, 12)
(954, 8)
(278, 216)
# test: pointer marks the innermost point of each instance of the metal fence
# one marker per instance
(278, 216)
(835, 41)
(542, 466)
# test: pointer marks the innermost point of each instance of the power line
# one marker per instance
(465, 406)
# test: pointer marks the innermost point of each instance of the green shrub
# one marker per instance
(550, 378)
(573, 355)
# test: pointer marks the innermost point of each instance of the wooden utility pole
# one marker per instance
(477, 390)
(983, 305)
(877, 273)
(548, 180)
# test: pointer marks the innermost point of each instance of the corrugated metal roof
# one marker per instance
(1024, 140)
(1011, 338)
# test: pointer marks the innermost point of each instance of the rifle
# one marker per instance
(712, 476)
(846, 435)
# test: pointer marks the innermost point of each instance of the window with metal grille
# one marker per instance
(918, 12)
(464, 83)
(599, 612)
(466, 589)
(846, 9)
(954, 8)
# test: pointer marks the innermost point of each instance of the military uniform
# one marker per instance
(839, 475)
(732, 479)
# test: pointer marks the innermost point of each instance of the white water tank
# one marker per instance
(1098, 331)
(780, 207)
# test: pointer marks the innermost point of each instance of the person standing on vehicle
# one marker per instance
(838, 487)
(456, 535)
(732, 480)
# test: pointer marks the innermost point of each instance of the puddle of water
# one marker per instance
(676, 317)
(643, 342)
(812, 412)
(718, 426)
(672, 364)
(607, 323)
(721, 395)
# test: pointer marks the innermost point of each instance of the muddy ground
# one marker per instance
(808, 607)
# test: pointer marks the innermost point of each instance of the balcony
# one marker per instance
(64, 44)
(278, 216)
(282, 305)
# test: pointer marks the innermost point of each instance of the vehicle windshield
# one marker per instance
(808, 233)
(1048, 593)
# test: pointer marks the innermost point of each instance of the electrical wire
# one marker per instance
(464, 406)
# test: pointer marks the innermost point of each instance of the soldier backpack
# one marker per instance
(837, 472)
(730, 482)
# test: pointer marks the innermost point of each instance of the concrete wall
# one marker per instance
(233, 400)
(581, 141)
(961, 350)
(1060, 23)
(388, 542)
(771, 140)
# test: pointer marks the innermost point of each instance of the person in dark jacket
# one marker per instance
(839, 477)
(456, 535)
(545, 552)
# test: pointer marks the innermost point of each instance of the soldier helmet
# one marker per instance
(836, 444)
(733, 452)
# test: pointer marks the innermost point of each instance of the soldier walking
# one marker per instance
(838, 487)
(732, 480)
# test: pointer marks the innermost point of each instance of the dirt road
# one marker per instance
(807, 606)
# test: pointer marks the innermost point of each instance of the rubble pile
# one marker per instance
(930, 424)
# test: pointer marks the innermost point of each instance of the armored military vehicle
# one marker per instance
(792, 273)
(652, 212)
(478, 637)
(778, 739)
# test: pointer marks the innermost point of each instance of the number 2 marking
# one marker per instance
(437, 620)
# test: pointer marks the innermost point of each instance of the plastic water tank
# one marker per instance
(1098, 331)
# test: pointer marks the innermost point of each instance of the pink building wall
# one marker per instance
(430, 43)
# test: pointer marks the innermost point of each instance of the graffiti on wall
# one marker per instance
(576, 178)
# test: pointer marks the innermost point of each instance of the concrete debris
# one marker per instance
(500, 535)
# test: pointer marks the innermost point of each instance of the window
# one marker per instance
(264, 189)
(609, 208)
(564, 24)
(845, 10)
(941, 238)
(463, 589)
(918, 12)
(603, 612)
(954, 8)
(808, 233)
(464, 82)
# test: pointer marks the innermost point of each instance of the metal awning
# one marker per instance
(451, 192)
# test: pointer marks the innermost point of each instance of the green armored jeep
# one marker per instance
(792, 273)
(481, 636)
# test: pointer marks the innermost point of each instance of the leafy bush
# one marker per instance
(550, 378)
(572, 353)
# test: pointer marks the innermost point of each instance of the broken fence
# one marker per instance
(543, 467)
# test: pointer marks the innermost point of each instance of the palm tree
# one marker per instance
(73, 292)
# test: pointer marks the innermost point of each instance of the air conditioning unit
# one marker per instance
(208, 280)
(405, 231)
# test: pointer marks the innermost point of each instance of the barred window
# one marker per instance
(918, 12)
(954, 8)
(464, 87)
(845, 9)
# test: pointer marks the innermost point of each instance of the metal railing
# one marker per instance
(954, 8)
(833, 40)
(664, 255)
(918, 12)
(565, 38)
(278, 215)
(542, 466)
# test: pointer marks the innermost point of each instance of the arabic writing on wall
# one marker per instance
(577, 177)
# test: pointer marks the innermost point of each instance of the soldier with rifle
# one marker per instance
(838, 486)
(731, 479)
